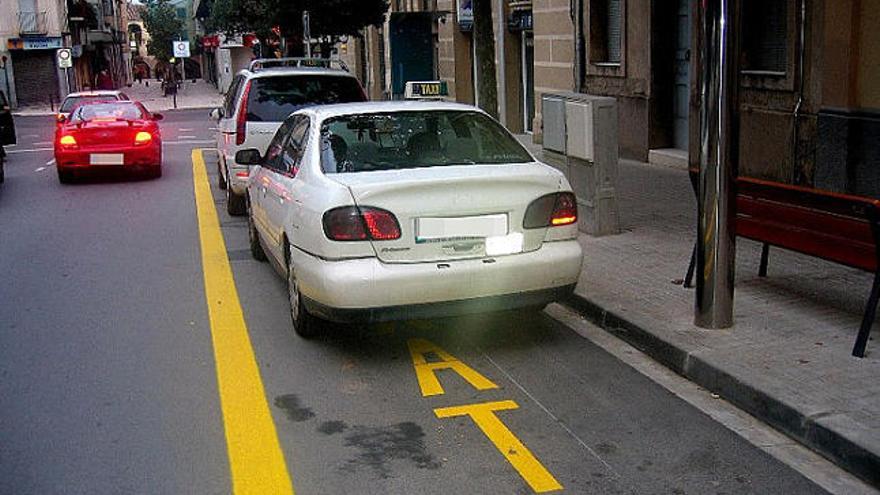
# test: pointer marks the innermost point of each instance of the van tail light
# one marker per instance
(142, 137)
(241, 122)
(67, 141)
(552, 210)
(353, 223)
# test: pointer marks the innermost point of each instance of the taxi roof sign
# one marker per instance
(426, 90)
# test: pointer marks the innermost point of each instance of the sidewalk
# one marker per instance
(786, 361)
(191, 95)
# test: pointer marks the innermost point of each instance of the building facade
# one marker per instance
(32, 31)
(809, 104)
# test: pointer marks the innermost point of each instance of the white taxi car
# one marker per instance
(401, 210)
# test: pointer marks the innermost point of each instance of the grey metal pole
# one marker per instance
(716, 236)
(307, 33)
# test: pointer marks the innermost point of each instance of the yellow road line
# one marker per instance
(425, 371)
(255, 456)
(532, 471)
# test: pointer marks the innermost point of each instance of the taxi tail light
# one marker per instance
(143, 137)
(352, 223)
(67, 141)
(241, 122)
(552, 210)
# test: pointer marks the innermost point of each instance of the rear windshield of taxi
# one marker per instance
(71, 102)
(108, 111)
(415, 139)
(272, 99)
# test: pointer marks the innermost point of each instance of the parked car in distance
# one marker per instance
(108, 135)
(401, 210)
(260, 98)
(7, 132)
(73, 99)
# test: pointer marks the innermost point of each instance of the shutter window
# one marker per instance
(613, 36)
(765, 43)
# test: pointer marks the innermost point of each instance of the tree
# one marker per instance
(329, 18)
(164, 27)
(484, 37)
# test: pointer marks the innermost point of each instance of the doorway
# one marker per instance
(681, 83)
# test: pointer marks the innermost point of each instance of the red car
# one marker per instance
(101, 135)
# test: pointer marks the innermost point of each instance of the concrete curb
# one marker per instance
(831, 443)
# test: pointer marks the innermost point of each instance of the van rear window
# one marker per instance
(272, 99)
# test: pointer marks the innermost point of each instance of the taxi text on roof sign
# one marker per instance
(426, 90)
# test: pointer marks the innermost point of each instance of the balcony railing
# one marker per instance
(33, 23)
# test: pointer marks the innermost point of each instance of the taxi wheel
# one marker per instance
(156, 172)
(304, 324)
(235, 204)
(221, 181)
(254, 238)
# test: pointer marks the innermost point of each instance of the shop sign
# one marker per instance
(37, 43)
(211, 42)
(520, 20)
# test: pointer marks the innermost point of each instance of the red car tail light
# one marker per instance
(565, 212)
(554, 210)
(352, 223)
(67, 141)
(241, 122)
(143, 137)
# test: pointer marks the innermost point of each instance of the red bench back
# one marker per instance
(828, 225)
(819, 223)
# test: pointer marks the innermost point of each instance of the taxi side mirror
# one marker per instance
(158, 116)
(249, 156)
(60, 118)
(216, 113)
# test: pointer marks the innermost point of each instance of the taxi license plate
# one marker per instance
(428, 228)
(107, 159)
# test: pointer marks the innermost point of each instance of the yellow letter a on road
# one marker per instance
(428, 381)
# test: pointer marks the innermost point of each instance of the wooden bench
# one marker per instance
(832, 226)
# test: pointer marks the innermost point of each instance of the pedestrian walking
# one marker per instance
(104, 80)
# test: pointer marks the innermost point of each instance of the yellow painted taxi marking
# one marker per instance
(255, 456)
(532, 471)
(425, 371)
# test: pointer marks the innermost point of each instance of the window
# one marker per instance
(273, 151)
(414, 139)
(107, 111)
(231, 96)
(271, 99)
(765, 36)
(291, 157)
(72, 101)
(606, 31)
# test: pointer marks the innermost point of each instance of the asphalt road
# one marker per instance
(109, 365)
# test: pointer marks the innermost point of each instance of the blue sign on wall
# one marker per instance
(35, 43)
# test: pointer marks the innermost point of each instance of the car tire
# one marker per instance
(2, 169)
(65, 176)
(221, 180)
(254, 238)
(156, 172)
(305, 325)
(235, 204)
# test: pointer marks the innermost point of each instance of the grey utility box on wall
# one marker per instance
(583, 128)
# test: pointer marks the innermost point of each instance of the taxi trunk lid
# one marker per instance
(455, 212)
